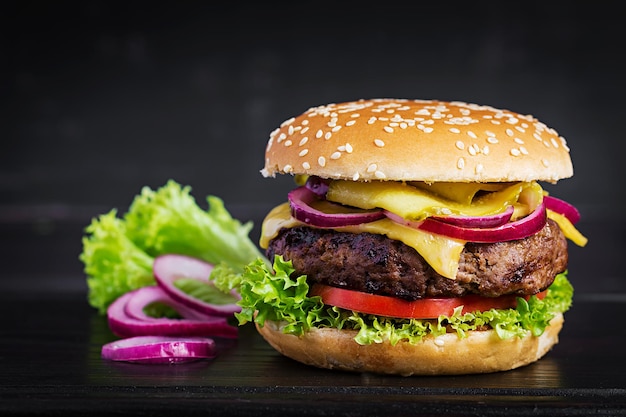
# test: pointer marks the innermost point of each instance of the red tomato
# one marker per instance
(427, 308)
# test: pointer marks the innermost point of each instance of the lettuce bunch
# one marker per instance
(279, 295)
(118, 252)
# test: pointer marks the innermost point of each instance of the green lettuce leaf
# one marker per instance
(118, 252)
(278, 296)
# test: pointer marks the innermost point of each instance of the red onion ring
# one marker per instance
(152, 294)
(478, 221)
(519, 229)
(123, 325)
(317, 185)
(562, 207)
(168, 268)
(159, 349)
(300, 200)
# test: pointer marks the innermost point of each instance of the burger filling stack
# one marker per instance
(417, 233)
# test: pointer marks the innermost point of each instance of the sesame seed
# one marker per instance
(479, 168)
(350, 122)
(290, 130)
(388, 129)
(492, 140)
(428, 130)
(518, 140)
(515, 152)
(371, 168)
(460, 145)
(303, 141)
(305, 122)
(537, 136)
(439, 342)
(509, 132)
(335, 155)
(486, 150)
(306, 129)
(454, 130)
(490, 134)
(336, 128)
(554, 142)
(287, 168)
(303, 152)
(512, 120)
(321, 161)
(319, 134)
(306, 165)
(460, 163)
(282, 137)
(288, 143)
(380, 175)
(348, 148)
(472, 150)
(520, 129)
(523, 150)
(356, 176)
(355, 115)
(371, 120)
(471, 134)
(403, 125)
(328, 135)
(379, 143)
(545, 162)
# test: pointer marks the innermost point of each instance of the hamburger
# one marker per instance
(417, 240)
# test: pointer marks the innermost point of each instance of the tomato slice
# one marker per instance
(427, 308)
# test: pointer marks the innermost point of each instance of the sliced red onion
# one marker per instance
(478, 221)
(519, 229)
(301, 198)
(124, 325)
(562, 207)
(154, 294)
(317, 185)
(159, 349)
(168, 268)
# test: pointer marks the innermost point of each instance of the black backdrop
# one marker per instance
(101, 98)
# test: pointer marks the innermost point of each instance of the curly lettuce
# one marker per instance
(277, 295)
(118, 252)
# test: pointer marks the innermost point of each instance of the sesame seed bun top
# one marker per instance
(417, 140)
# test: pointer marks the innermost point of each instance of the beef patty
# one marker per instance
(376, 264)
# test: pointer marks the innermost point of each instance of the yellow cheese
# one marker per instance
(440, 252)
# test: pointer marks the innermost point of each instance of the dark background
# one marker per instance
(102, 98)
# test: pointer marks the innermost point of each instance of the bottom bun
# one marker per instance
(479, 352)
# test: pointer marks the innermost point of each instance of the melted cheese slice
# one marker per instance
(441, 253)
